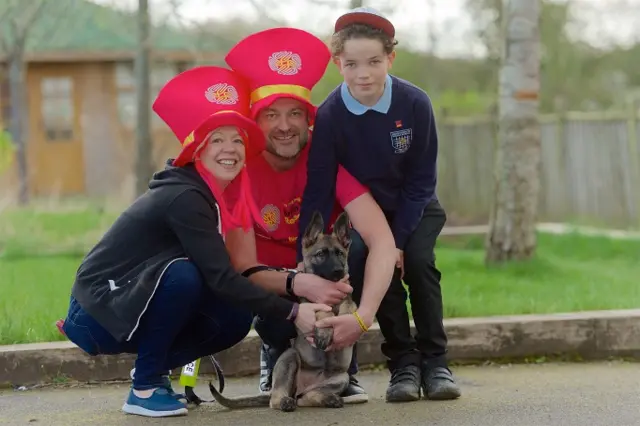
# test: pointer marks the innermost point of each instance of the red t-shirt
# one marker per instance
(278, 196)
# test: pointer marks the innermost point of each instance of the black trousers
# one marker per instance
(422, 278)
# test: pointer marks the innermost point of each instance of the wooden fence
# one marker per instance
(589, 174)
(590, 169)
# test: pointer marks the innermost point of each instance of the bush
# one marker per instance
(7, 151)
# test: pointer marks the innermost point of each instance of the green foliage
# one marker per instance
(455, 86)
(574, 75)
(84, 26)
(331, 79)
(7, 151)
(451, 102)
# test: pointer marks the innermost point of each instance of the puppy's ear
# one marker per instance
(313, 231)
(341, 230)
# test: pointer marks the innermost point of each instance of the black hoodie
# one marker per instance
(177, 218)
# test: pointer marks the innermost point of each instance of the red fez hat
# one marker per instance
(280, 63)
(368, 16)
(202, 99)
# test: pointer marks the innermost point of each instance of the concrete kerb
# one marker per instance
(588, 335)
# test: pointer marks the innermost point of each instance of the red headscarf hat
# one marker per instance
(198, 101)
(280, 62)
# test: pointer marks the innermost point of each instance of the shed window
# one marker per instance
(126, 90)
(57, 108)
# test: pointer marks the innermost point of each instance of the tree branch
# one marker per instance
(60, 14)
(262, 7)
(330, 3)
(7, 16)
(21, 26)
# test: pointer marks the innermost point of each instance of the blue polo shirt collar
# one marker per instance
(355, 107)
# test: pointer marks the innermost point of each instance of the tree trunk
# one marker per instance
(512, 234)
(18, 110)
(144, 151)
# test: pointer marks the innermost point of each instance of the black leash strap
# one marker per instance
(188, 390)
(259, 268)
(191, 395)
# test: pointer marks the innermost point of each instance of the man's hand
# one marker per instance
(346, 331)
(400, 262)
(306, 319)
(319, 290)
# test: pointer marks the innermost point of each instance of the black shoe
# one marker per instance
(438, 384)
(404, 385)
(354, 393)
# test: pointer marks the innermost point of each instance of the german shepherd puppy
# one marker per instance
(305, 376)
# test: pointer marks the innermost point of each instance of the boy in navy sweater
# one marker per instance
(382, 130)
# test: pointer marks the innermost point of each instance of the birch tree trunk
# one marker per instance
(512, 234)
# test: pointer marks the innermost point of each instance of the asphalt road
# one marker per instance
(527, 395)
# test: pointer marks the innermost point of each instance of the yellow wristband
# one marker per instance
(360, 321)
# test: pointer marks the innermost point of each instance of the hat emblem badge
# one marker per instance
(285, 62)
(222, 94)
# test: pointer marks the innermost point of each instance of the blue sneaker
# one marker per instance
(167, 385)
(159, 404)
(169, 388)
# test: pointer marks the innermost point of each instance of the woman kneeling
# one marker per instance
(160, 284)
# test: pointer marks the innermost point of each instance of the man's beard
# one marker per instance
(271, 148)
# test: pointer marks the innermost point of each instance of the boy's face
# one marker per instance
(364, 65)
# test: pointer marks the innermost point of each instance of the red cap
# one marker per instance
(201, 99)
(368, 16)
(280, 62)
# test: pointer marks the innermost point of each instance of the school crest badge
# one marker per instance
(401, 140)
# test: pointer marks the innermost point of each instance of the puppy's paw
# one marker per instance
(333, 401)
(288, 404)
(322, 337)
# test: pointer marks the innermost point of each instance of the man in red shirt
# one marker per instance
(282, 65)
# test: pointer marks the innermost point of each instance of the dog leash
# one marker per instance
(189, 378)
(189, 373)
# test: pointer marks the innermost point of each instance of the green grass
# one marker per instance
(41, 250)
(29, 233)
(37, 295)
(570, 273)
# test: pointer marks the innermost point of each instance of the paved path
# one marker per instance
(534, 395)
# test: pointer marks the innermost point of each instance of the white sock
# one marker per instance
(144, 394)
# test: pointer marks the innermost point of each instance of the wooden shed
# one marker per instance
(81, 98)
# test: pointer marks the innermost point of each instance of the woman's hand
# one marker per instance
(319, 290)
(306, 319)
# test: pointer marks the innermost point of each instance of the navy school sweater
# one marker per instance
(393, 154)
